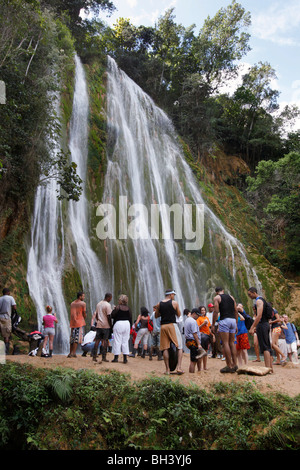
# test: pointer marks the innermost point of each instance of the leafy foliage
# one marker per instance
(275, 193)
(67, 409)
(36, 53)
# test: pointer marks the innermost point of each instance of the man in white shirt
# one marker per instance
(7, 305)
(88, 341)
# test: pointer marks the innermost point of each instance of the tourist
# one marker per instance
(7, 306)
(205, 330)
(242, 340)
(292, 340)
(49, 321)
(88, 342)
(275, 323)
(77, 323)
(168, 309)
(210, 312)
(143, 332)
(282, 342)
(255, 340)
(155, 338)
(186, 312)
(193, 340)
(225, 305)
(103, 326)
(122, 320)
(262, 327)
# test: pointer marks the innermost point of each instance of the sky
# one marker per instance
(274, 30)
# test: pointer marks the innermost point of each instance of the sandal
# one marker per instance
(179, 372)
(226, 370)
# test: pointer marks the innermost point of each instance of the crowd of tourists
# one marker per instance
(220, 330)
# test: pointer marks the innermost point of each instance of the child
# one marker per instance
(49, 329)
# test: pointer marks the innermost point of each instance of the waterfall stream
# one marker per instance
(82, 255)
(46, 257)
(146, 166)
(146, 175)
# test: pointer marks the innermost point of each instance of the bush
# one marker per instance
(64, 409)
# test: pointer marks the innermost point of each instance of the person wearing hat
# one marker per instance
(193, 340)
(168, 310)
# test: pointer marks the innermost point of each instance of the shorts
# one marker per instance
(205, 340)
(291, 347)
(228, 325)
(77, 335)
(263, 337)
(142, 335)
(170, 333)
(102, 333)
(5, 327)
(192, 346)
(242, 342)
(49, 331)
(277, 329)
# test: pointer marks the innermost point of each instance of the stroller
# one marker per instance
(34, 338)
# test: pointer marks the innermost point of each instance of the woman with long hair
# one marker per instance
(122, 320)
(143, 333)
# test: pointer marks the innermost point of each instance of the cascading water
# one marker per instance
(146, 166)
(84, 258)
(46, 257)
(49, 235)
(146, 170)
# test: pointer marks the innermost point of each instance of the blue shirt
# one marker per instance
(156, 323)
(290, 333)
(241, 327)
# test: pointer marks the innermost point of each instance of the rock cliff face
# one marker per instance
(218, 176)
(222, 168)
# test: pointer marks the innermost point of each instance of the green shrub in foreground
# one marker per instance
(67, 409)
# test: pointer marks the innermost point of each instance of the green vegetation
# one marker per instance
(275, 194)
(68, 410)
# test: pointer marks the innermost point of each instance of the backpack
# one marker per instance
(248, 320)
(268, 309)
(150, 325)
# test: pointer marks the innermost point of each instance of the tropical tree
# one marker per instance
(275, 193)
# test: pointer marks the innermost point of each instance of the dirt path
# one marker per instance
(285, 380)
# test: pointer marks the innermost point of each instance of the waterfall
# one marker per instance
(82, 255)
(146, 168)
(46, 256)
(146, 181)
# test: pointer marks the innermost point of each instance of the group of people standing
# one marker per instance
(224, 329)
